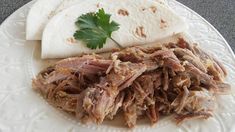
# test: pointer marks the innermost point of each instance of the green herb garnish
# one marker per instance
(95, 29)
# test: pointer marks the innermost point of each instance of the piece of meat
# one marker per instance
(55, 76)
(169, 58)
(130, 115)
(133, 54)
(39, 86)
(100, 105)
(117, 105)
(181, 118)
(130, 108)
(197, 101)
(153, 114)
(152, 59)
(219, 65)
(68, 68)
(183, 100)
(215, 71)
(124, 75)
(187, 55)
(140, 93)
(203, 77)
(79, 111)
(144, 87)
(89, 64)
(137, 55)
(181, 80)
(57, 98)
(172, 73)
(64, 101)
(214, 67)
(163, 102)
(211, 61)
(221, 88)
(196, 62)
(166, 79)
(185, 45)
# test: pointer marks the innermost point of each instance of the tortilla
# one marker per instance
(146, 22)
(39, 15)
(43, 10)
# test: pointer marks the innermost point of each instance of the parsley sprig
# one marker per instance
(95, 29)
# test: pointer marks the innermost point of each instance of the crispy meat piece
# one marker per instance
(181, 118)
(153, 114)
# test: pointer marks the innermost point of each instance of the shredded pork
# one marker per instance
(174, 78)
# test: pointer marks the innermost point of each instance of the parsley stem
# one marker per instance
(119, 45)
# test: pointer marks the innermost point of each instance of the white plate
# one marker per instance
(22, 110)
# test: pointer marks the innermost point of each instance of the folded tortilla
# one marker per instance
(43, 10)
(39, 15)
(145, 22)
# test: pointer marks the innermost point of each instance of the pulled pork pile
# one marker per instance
(175, 78)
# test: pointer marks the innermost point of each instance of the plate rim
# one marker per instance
(198, 15)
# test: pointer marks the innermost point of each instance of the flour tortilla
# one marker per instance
(39, 15)
(43, 10)
(68, 3)
(155, 25)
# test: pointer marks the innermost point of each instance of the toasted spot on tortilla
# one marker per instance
(153, 9)
(140, 31)
(52, 13)
(123, 12)
(162, 21)
(161, 2)
(163, 24)
(71, 40)
(98, 5)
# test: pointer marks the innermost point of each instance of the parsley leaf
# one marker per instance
(95, 29)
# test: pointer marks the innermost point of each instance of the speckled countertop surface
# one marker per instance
(220, 13)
